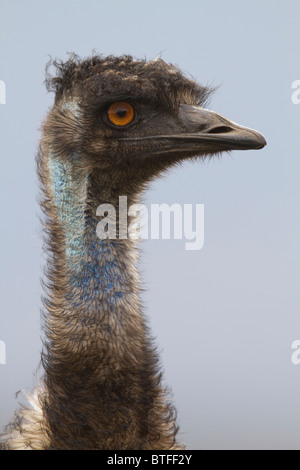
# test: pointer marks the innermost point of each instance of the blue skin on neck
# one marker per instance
(91, 264)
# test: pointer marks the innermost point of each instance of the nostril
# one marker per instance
(220, 130)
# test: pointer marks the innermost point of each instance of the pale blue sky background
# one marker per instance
(224, 317)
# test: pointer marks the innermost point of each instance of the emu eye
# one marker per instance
(120, 114)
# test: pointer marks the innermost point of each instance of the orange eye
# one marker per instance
(120, 113)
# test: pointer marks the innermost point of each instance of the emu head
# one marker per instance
(134, 119)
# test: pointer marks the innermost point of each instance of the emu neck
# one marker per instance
(94, 268)
(100, 274)
(101, 370)
(98, 361)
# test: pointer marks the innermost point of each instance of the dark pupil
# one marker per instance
(121, 112)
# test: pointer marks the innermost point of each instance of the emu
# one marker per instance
(116, 124)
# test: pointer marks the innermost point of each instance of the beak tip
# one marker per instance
(250, 139)
(261, 141)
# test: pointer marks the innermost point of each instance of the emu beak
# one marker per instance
(209, 131)
(201, 132)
